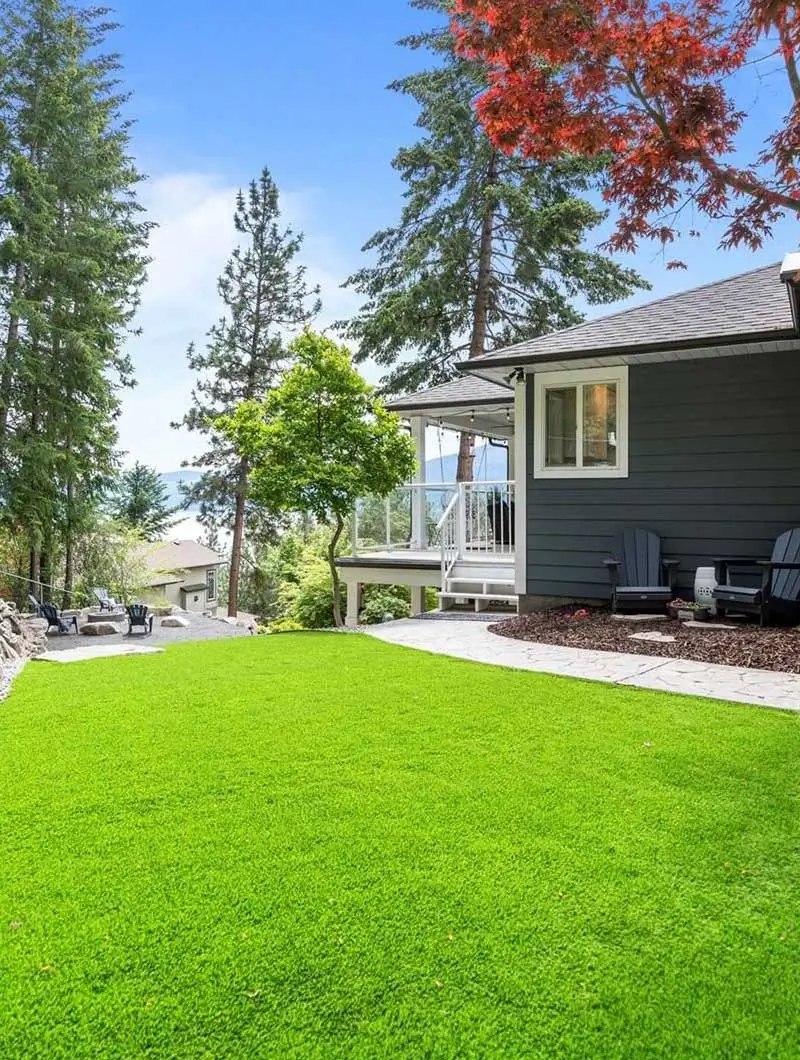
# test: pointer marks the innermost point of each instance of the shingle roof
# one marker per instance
(466, 390)
(179, 555)
(753, 304)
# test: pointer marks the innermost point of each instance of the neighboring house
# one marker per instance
(186, 573)
(682, 416)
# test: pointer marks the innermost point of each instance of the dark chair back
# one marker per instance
(639, 555)
(786, 583)
(49, 612)
(137, 613)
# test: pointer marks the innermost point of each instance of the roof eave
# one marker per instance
(519, 360)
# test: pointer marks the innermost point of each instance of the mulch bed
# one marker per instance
(775, 648)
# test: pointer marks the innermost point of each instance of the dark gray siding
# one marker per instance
(714, 463)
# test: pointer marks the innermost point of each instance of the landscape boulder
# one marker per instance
(99, 629)
(20, 638)
(175, 622)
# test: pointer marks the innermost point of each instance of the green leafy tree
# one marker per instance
(141, 500)
(72, 261)
(321, 440)
(489, 249)
(264, 294)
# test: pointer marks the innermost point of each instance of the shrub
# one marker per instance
(310, 602)
(381, 600)
(283, 625)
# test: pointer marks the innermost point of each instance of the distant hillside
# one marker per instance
(173, 479)
(490, 466)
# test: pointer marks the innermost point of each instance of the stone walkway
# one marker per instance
(473, 641)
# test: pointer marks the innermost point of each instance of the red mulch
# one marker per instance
(774, 648)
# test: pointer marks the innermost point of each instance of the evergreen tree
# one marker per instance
(489, 249)
(71, 265)
(264, 294)
(141, 500)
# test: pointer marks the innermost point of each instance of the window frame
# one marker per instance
(544, 381)
(212, 572)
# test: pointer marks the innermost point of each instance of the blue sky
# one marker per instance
(221, 89)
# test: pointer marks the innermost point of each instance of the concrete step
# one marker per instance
(480, 600)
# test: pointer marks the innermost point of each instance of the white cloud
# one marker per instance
(189, 248)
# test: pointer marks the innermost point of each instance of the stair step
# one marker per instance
(506, 598)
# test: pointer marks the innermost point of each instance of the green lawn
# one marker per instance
(324, 846)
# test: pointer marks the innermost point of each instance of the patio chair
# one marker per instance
(639, 575)
(778, 595)
(106, 602)
(56, 619)
(500, 513)
(138, 616)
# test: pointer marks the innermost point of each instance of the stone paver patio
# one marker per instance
(474, 642)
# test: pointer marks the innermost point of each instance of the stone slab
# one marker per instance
(473, 641)
(708, 625)
(175, 622)
(640, 618)
(654, 636)
(100, 629)
(96, 651)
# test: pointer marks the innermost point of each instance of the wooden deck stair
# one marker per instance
(480, 581)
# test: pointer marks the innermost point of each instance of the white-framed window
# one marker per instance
(581, 423)
(211, 585)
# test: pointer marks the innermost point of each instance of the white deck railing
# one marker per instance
(479, 516)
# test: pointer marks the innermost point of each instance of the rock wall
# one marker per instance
(20, 638)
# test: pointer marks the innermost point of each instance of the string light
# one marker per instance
(472, 416)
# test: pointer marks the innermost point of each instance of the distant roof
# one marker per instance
(465, 391)
(180, 555)
(754, 305)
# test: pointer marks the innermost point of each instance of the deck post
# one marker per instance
(353, 603)
(419, 529)
(461, 521)
(418, 599)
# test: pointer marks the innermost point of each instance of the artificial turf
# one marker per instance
(323, 846)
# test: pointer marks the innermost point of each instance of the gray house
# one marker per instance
(186, 573)
(680, 416)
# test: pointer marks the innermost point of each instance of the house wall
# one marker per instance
(194, 576)
(714, 468)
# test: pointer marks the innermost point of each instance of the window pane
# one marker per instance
(562, 426)
(600, 425)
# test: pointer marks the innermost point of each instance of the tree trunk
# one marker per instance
(238, 538)
(337, 585)
(69, 547)
(34, 574)
(480, 309)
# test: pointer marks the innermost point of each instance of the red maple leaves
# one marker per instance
(652, 85)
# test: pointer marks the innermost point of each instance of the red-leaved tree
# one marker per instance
(654, 86)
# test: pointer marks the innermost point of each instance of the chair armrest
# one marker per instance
(778, 566)
(722, 564)
(612, 566)
(670, 569)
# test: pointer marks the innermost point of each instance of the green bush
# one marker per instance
(283, 625)
(310, 601)
(381, 600)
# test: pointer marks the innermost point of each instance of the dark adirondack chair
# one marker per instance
(138, 616)
(106, 602)
(56, 620)
(500, 513)
(778, 595)
(640, 577)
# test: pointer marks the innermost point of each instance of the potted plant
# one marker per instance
(687, 611)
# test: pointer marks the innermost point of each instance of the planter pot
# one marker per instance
(686, 614)
(702, 614)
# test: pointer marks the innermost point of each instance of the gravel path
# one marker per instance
(200, 628)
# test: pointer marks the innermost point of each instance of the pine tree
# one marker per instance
(489, 249)
(141, 500)
(264, 294)
(72, 260)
